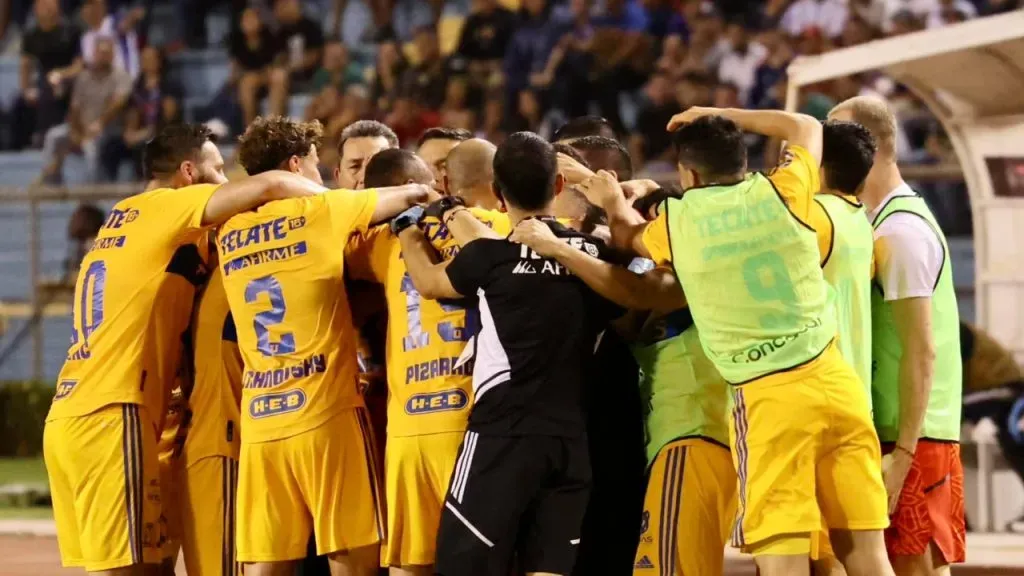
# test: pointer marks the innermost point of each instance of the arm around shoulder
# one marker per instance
(242, 195)
(428, 276)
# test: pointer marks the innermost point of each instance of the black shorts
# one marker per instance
(519, 497)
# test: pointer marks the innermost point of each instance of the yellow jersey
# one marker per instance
(215, 392)
(283, 268)
(133, 301)
(428, 394)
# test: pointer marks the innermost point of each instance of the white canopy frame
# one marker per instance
(971, 76)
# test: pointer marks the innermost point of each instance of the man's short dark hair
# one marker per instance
(713, 147)
(525, 168)
(444, 133)
(584, 126)
(269, 142)
(366, 129)
(848, 152)
(394, 167)
(623, 164)
(568, 150)
(656, 197)
(174, 144)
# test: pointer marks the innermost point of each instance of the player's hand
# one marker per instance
(635, 189)
(537, 235)
(571, 170)
(602, 189)
(691, 114)
(895, 468)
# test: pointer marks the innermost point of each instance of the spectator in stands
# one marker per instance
(623, 53)
(529, 49)
(740, 60)
(300, 42)
(97, 99)
(50, 54)
(409, 118)
(485, 35)
(330, 82)
(649, 141)
(694, 89)
(252, 49)
(771, 70)
(455, 112)
(493, 121)
(193, 13)
(827, 16)
(427, 79)
(391, 67)
(382, 12)
(100, 21)
(945, 12)
(1000, 6)
(155, 101)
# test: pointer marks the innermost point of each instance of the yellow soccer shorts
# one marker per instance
(689, 509)
(417, 470)
(170, 504)
(801, 441)
(208, 517)
(105, 486)
(323, 481)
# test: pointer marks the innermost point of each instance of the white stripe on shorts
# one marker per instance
(461, 476)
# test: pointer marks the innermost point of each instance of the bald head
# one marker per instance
(874, 114)
(470, 172)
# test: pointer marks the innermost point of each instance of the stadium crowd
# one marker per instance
(631, 61)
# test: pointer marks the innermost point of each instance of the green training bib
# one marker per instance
(942, 419)
(848, 269)
(683, 393)
(752, 276)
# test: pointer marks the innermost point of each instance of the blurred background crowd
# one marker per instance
(96, 77)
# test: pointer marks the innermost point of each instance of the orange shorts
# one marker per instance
(931, 504)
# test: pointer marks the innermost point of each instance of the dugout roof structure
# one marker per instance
(971, 76)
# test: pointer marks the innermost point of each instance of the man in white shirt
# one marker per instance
(829, 16)
(916, 375)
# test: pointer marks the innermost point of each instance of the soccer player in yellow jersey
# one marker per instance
(132, 303)
(306, 462)
(744, 249)
(429, 392)
(212, 420)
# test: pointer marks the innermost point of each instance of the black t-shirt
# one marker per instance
(303, 30)
(253, 58)
(539, 327)
(54, 48)
(485, 36)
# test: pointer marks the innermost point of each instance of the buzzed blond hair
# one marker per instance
(874, 114)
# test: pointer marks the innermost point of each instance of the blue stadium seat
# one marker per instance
(20, 168)
(8, 80)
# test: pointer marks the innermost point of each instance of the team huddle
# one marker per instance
(492, 360)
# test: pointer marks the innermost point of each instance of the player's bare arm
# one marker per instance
(248, 193)
(465, 227)
(796, 129)
(428, 276)
(626, 224)
(913, 319)
(657, 289)
(393, 200)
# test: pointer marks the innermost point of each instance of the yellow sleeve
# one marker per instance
(351, 210)
(367, 254)
(797, 180)
(498, 221)
(819, 220)
(655, 239)
(181, 209)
